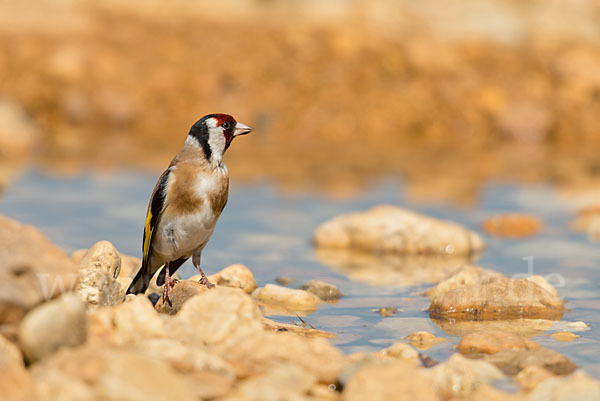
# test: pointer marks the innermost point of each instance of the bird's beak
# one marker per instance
(241, 129)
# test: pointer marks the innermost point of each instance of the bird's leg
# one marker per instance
(169, 283)
(203, 279)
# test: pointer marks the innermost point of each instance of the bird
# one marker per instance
(186, 203)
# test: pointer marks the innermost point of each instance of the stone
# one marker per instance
(531, 376)
(423, 340)
(236, 276)
(512, 361)
(490, 342)
(297, 329)
(390, 229)
(389, 380)
(126, 323)
(107, 373)
(129, 265)
(98, 287)
(564, 336)
(327, 292)
(460, 377)
(386, 311)
(51, 326)
(287, 298)
(219, 317)
(15, 381)
(102, 255)
(283, 382)
(400, 351)
(576, 387)
(32, 270)
(181, 292)
(512, 225)
(476, 294)
(253, 354)
(522, 327)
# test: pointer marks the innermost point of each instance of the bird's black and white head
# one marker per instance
(214, 134)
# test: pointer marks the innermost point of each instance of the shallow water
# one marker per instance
(271, 232)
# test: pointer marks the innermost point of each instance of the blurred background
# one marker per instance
(446, 94)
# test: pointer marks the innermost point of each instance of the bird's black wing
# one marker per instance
(157, 204)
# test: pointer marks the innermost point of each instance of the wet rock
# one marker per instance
(253, 354)
(564, 336)
(287, 298)
(460, 377)
(102, 255)
(389, 380)
(512, 361)
(512, 225)
(284, 382)
(327, 292)
(104, 373)
(490, 342)
(576, 387)
(32, 270)
(126, 323)
(180, 293)
(15, 381)
(51, 326)
(588, 222)
(477, 294)
(392, 229)
(218, 317)
(400, 351)
(297, 329)
(531, 376)
(390, 269)
(284, 280)
(386, 311)
(423, 340)
(235, 276)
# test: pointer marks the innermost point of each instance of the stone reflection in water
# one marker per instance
(388, 269)
(523, 327)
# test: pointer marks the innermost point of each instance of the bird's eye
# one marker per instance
(226, 125)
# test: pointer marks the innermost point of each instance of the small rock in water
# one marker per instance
(475, 293)
(386, 311)
(490, 342)
(400, 351)
(512, 225)
(423, 340)
(284, 280)
(564, 336)
(286, 298)
(102, 255)
(390, 229)
(55, 324)
(182, 291)
(327, 292)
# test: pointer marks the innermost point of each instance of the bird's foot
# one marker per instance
(169, 284)
(204, 281)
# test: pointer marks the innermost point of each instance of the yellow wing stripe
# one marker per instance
(147, 238)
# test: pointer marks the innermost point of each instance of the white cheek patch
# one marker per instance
(216, 141)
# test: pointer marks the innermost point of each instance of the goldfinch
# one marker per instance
(187, 202)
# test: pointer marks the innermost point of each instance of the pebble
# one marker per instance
(51, 326)
(235, 276)
(287, 298)
(327, 292)
(102, 255)
(390, 229)
(490, 342)
(423, 340)
(512, 225)
(181, 292)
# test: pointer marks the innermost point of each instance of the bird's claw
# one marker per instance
(169, 284)
(204, 281)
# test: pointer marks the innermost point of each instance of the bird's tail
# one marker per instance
(140, 282)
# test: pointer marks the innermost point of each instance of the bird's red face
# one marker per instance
(214, 134)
